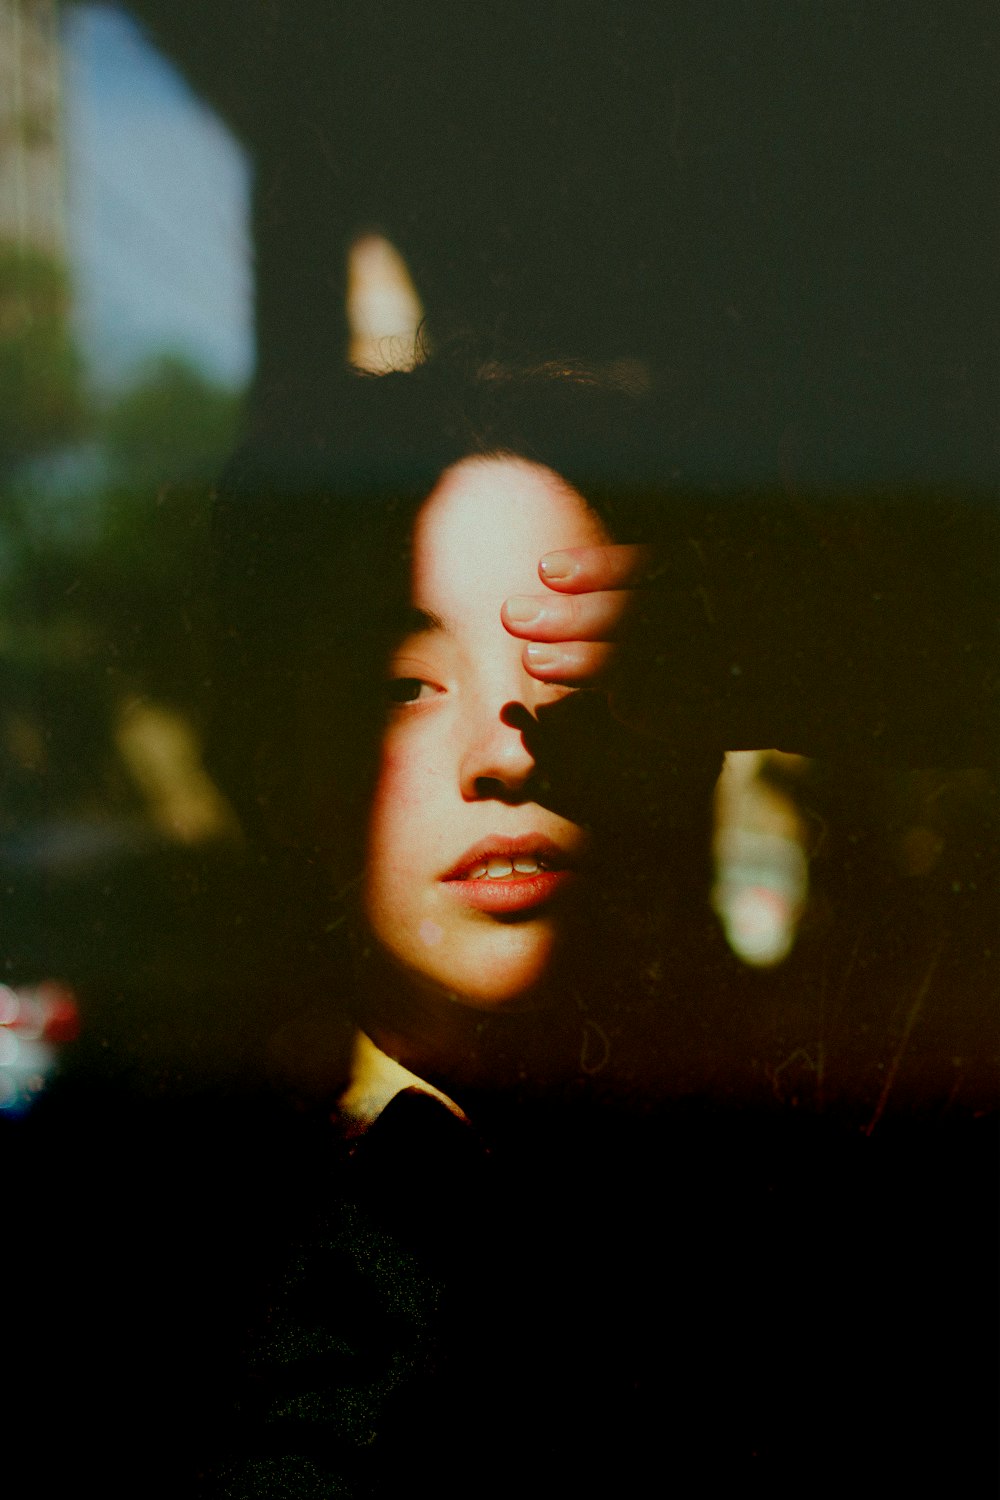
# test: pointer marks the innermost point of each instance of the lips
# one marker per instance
(497, 847)
(487, 877)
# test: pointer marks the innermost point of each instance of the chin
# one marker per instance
(510, 999)
(510, 969)
(510, 973)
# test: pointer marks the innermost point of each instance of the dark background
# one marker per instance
(789, 212)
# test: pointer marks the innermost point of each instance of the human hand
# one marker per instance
(573, 631)
(642, 625)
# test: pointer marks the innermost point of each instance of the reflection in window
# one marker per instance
(761, 866)
(126, 345)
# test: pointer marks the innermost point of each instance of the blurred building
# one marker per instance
(32, 213)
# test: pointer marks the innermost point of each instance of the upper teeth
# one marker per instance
(499, 869)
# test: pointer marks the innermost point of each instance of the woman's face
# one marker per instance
(469, 872)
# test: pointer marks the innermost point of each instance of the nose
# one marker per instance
(498, 760)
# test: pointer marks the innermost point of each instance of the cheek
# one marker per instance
(406, 814)
(396, 804)
(417, 775)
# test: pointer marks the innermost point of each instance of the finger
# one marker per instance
(572, 663)
(579, 570)
(547, 617)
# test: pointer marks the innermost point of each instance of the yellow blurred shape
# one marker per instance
(383, 309)
(162, 754)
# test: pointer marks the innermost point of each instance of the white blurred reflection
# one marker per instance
(34, 1022)
(761, 869)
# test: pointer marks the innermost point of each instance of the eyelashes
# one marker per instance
(415, 671)
(404, 690)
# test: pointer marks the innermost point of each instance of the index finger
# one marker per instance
(581, 570)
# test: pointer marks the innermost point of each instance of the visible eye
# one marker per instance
(408, 690)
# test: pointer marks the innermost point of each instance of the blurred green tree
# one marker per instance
(42, 398)
(117, 608)
(166, 440)
(173, 426)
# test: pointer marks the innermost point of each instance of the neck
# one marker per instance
(461, 1049)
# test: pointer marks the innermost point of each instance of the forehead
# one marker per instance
(481, 532)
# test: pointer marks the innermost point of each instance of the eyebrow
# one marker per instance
(415, 621)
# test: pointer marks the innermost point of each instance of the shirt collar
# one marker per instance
(375, 1080)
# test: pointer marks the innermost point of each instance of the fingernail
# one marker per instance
(557, 565)
(523, 609)
(541, 656)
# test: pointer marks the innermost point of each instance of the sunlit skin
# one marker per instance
(458, 780)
